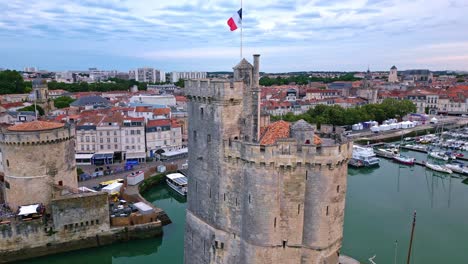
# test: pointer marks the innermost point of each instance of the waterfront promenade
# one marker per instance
(446, 123)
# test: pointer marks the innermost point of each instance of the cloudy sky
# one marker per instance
(193, 35)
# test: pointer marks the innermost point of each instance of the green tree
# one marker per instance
(11, 82)
(63, 101)
(337, 115)
(32, 109)
(180, 83)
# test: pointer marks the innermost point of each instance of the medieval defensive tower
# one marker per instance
(259, 192)
(36, 156)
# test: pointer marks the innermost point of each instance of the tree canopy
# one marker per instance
(63, 101)
(337, 115)
(304, 79)
(115, 85)
(31, 108)
(11, 82)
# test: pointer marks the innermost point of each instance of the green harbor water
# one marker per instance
(379, 208)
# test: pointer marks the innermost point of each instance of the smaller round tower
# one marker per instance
(36, 156)
(393, 75)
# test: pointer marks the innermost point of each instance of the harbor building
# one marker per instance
(260, 192)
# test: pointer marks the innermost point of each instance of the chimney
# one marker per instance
(256, 73)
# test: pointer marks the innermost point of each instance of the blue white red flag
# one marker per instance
(235, 21)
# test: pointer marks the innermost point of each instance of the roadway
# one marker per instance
(142, 166)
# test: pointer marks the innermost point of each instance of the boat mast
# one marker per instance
(396, 251)
(411, 239)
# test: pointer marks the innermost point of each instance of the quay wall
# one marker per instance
(78, 221)
(36, 242)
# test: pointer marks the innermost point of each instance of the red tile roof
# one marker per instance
(181, 99)
(175, 123)
(142, 109)
(35, 126)
(275, 131)
(161, 111)
(159, 122)
(11, 105)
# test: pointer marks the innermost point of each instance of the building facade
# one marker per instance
(111, 136)
(271, 197)
(163, 134)
(148, 75)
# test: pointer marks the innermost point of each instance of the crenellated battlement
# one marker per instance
(37, 137)
(214, 89)
(288, 153)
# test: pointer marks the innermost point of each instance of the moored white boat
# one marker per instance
(178, 182)
(458, 168)
(438, 155)
(387, 153)
(404, 160)
(365, 155)
(438, 168)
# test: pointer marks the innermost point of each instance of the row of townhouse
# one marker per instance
(102, 137)
(453, 100)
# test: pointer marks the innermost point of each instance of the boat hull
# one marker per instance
(404, 161)
(176, 188)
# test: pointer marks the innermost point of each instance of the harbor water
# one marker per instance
(379, 210)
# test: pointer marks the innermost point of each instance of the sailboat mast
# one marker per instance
(411, 239)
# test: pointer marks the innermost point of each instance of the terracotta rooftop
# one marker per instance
(35, 126)
(159, 122)
(275, 131)
(161, 111)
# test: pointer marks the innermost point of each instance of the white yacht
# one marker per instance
(178, 182)
(387, 152)
(438, 168)
(458, 168)
(438, 155)
(365, 155)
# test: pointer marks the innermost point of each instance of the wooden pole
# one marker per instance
(411, 239)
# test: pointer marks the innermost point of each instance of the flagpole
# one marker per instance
(242, 19)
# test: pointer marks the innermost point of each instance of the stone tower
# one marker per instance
(40, 90)
(36, 156)
(393, 75)
(260, 193)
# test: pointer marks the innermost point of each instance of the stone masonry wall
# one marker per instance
(281, 203)
(36, 161)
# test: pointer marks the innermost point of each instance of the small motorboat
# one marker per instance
(438, 155)
(404, 159)
(459, 155)
(386, 153)
(438, 168)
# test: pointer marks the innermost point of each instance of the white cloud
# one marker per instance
(384, 29)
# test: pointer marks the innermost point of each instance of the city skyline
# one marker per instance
(193, 35)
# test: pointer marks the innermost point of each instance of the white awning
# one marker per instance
(175, 152)
(143, 208)
(135, 155)
(28, 209)
(83, 156)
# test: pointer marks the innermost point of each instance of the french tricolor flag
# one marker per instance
(235, 21)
